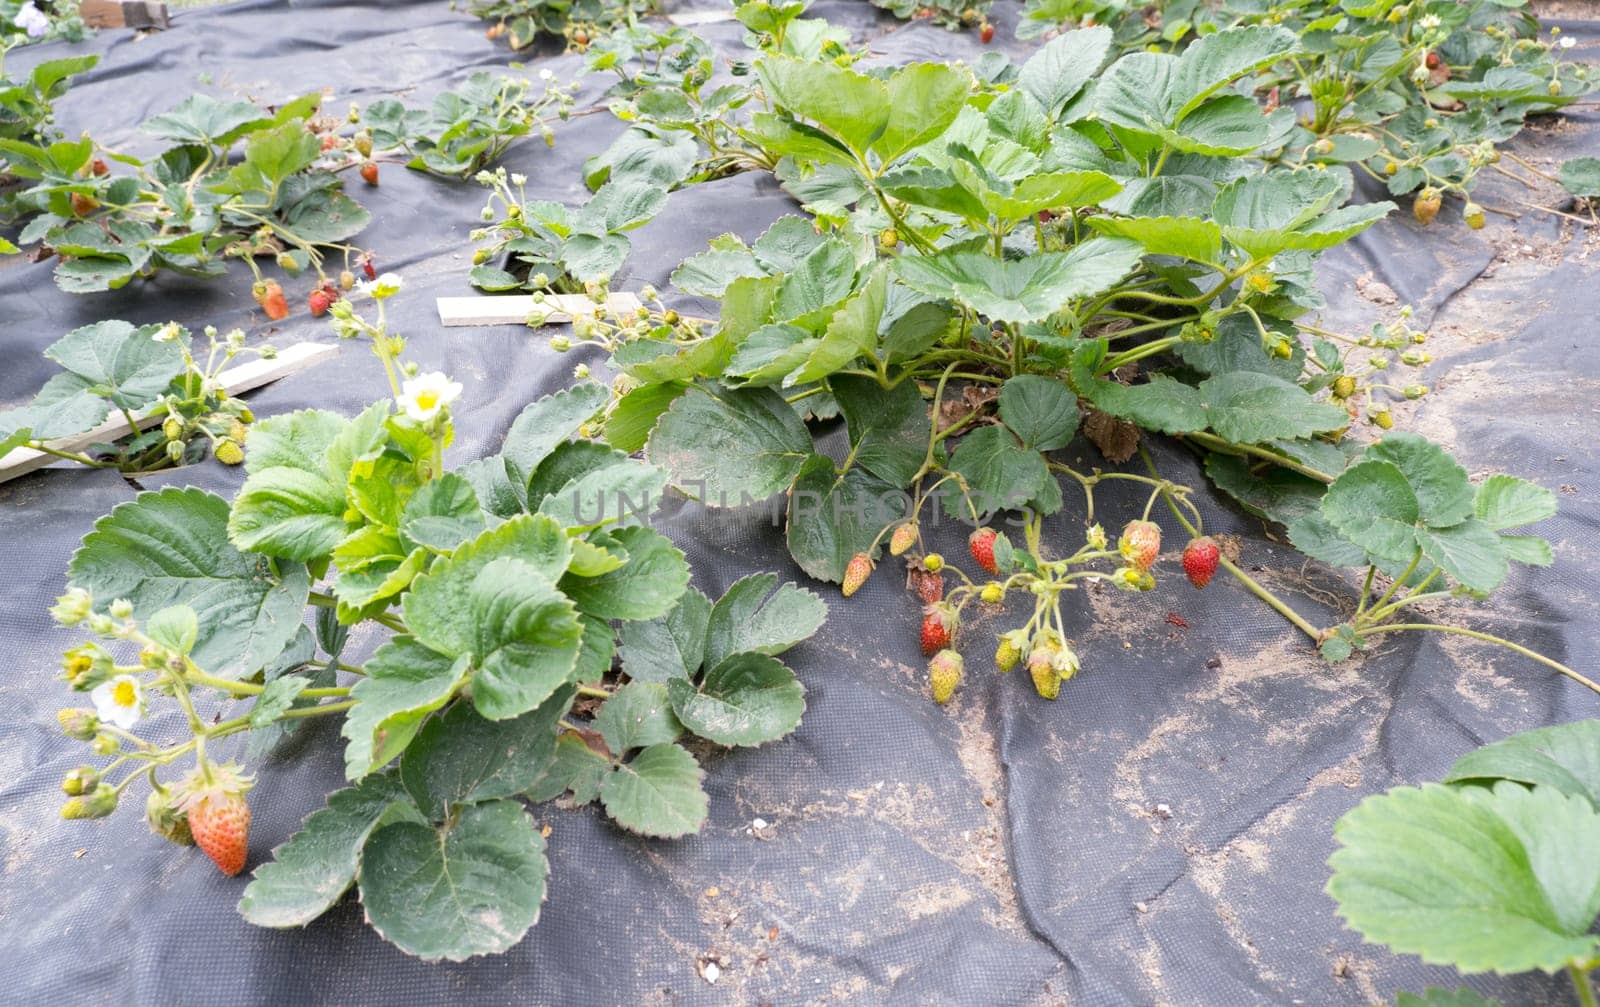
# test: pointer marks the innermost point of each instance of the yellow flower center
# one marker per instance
(124, 694)
(427, 399)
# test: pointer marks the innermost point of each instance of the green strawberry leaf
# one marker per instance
(1020, 290)
(668, 646)
(1444, 497)
(657, 794)
(442, 514)
(309, 873)
(439, 608)
(470, 887)
(747, 699)
(1042, 411)
(1504, 501)
(637, 716)
(1503, 880)
(1436, 997)
(888, 428)
(1565, 757)
(170, 547)
(729, 448)
(752, 617)
(831, 517)
(404, 682)
(646, 586)
(1373, 505)
(459, 757)
(545, 423)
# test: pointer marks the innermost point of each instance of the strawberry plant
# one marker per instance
(952, 14)
(537, 637)
(25, 21)
(466, 129)
(1494, 870)
(150, 376)
(994, 267)
(579, 22)
(238, 182)
(551, 247)
(1416, 95)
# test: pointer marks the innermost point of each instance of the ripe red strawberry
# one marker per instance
(1140, 544)
(928, 584)
(99, 166)
(856, 573)
(270, 296)
(368, 267)
(369, 172)
(1433, 61)
(938, 627)
(1200, 559)
(318, 303)
(986, 33)
(981, 542)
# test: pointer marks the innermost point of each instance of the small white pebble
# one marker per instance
(712, 972)
(758, 823)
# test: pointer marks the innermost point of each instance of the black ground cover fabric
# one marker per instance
(1158, 835)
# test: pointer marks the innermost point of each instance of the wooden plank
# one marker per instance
(692, 18)
(514, 310)
(124, 13)
(237, 380)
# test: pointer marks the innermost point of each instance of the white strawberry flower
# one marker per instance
(32, 21)
(423, 396)
(119, 701)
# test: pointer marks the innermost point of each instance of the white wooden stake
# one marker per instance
(516, 310)
(236, 380)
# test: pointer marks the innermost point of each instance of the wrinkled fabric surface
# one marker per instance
(1158, 835)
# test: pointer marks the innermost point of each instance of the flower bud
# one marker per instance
(98, 803)
(933, 562)
(78, 722)
(105, 744)
(80, 781)
(72, 607)
(175, 452)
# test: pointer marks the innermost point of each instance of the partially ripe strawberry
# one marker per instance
(981, 542)
(273, 301)
(99, 167)
(1433, 61)
(1200, 558)
(986, 33)
(939, 623)
(1140, 544)
(329, 141)
(902, 539)
(318, 302)
(856, 573)
(83, 204)
(219, 817)
(369, 172)
(1046, 681)
(944, 674)
(1426, 206)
